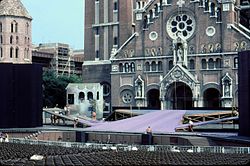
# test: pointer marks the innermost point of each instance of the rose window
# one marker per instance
(127, 96)
(181, 25)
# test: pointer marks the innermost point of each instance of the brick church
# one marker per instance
(166, 54)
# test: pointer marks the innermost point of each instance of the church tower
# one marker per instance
(15, 33)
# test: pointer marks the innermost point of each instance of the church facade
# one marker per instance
(178, 55)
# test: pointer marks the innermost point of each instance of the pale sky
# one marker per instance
(57, 21)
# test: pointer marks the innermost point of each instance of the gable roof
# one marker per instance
(13, 8)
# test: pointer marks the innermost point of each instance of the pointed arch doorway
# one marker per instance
(181, 96)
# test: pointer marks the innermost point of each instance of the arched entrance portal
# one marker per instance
(211, 98)
(181, 96)
(153, 97)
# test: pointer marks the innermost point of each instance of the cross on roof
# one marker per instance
(180, 3)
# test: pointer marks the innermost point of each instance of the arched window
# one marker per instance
(27, 28)
(120, 67)
(212, 13)
(203, 64)
(132, 67)
(17, 52)
(218, 13)
(81, 96)
(126, 67)
(150, 15)
(156, 10)
(153, 66)
(145, 22)
(17, 39)
(16, 27)
(211, 63)
(160, 66)
(12, 28)
(218, 63)
(11, 39)
(147, 66)
(206, 5)
(90, 95)
(170, 65)
(11, 52)
(191, 64)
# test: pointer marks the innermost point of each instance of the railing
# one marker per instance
(125, 147)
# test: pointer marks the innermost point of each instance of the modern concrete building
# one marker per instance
(15, 32)
(59, 57)
(166, 54)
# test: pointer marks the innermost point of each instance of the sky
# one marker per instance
(57, 21)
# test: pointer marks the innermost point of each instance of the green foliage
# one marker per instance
(54, 91)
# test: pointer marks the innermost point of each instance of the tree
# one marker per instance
(54, 91)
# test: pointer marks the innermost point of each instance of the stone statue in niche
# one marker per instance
(180, 53)
(139, 90)
(227, 89)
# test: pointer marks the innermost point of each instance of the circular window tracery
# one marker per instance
(127, 96)
(181, 24)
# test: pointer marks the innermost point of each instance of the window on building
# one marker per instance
(81, 96)
(97, 54)
(156, 9)
(115, 6)
(236, 62)
(126, 67)
(27, 28)
(153, 66)
(120, 67)
(191, 64)
(11, 52)
(203, 64)
(97, 96)
(147, 66)
(17, 39)
(71, 99)
(132, 67)
(170, 65)
(1, 52)
(12, 28)
(11, 39)
(218, 63)
(106, 89)
(145, 22)
(1, 27)
(97, 31)
(169, 1)
(115, 41)
(206, 5)
(90, 96)
(212, 13)
(17, 52)
(150, 15)
(160, 66)
(1, 39)
(16, 27)
(218, 13)
(211, 63)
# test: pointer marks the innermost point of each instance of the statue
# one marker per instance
(179, 54)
